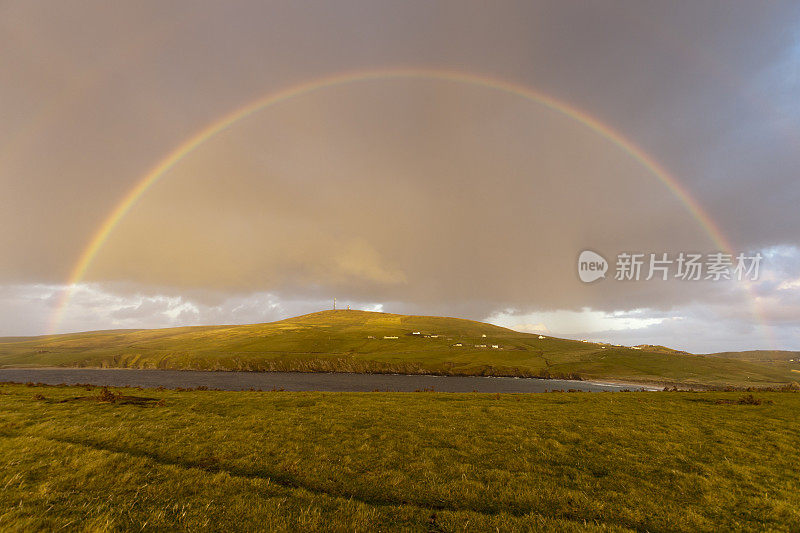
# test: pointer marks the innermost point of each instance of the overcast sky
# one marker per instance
(416, 195)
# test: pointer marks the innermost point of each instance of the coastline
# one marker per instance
(648, 386)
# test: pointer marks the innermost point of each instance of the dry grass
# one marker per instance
(392, 461)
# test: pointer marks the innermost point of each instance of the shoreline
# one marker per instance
(647, 386)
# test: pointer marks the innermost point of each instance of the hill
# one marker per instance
(660, 349)
(781, 360)
(764, 356)
(360, 341)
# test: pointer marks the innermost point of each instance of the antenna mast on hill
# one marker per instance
(334, 303)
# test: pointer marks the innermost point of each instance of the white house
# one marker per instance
(458, 344)
(416, 333)
(495, 345)
(541, 336)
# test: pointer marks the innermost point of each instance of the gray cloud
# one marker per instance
(428, 196)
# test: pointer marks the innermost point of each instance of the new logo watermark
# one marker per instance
(591, 266)
(685, 266)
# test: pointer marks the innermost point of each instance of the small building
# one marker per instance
(370, 336)
(389, 337)
(480, 346)
(495, 346)
(541, 337)
(415, 333)
(484, 335)
(458, 344)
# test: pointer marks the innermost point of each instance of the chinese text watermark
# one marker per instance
(684, 266)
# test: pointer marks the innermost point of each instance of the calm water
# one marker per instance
(293, 381)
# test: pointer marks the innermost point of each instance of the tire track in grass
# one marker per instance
(287, 481)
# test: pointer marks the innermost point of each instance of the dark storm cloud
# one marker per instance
(429, 195)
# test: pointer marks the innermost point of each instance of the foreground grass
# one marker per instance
(354, 341)
(388, 461)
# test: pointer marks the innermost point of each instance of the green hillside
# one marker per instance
(764, 356)
(782, 361)
(360, 341)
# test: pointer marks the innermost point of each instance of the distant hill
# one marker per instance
(360, 341)
(660, 349)
(771, 356)
(779, 359)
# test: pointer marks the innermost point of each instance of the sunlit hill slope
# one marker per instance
(360, 341)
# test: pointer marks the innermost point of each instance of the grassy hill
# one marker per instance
(360, 341)
(781, 360)
(661, 349)
(763, 356)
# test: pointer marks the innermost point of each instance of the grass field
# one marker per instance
(194, 460)
(353, 341)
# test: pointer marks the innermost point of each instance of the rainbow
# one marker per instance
(214, 128)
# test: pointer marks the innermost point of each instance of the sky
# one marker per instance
(466, 156)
